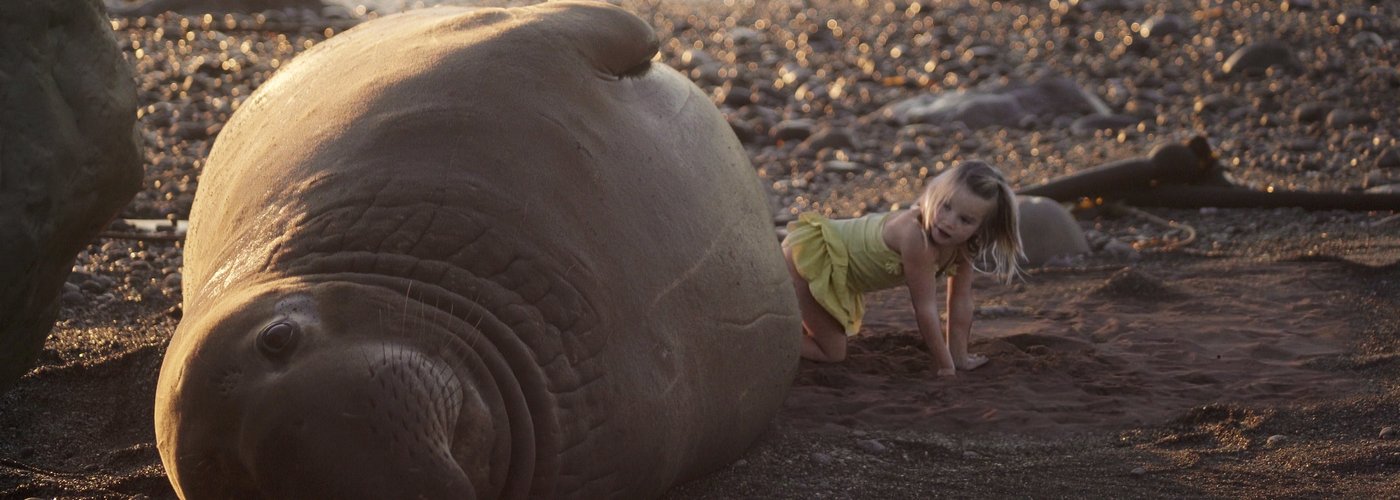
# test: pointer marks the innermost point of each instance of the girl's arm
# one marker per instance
(923, 291)
(960, 313)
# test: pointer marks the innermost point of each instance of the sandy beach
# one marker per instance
(1255, 354)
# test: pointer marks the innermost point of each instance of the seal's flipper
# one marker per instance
(617, 42)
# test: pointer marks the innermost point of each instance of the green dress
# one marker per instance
(842, 259)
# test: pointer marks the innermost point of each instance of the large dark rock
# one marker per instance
(69, 159)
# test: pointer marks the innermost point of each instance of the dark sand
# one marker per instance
(1130, 372)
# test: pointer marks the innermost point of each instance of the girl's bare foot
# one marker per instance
(972, 362)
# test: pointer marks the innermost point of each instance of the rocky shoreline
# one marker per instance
(838, 104)
(846, 107)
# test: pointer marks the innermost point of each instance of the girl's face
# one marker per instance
(958, 218)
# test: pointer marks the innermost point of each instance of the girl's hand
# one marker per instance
(947, 372)
(972, 362)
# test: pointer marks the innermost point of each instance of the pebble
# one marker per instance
(1162, 26)
(745, 36)
(1311, 112)
(1275, 441)
(1390, 158)
(872, 445)
(1384, 74)
(971, 455)
(822, 458)
(1365, 40)
(1302, 144)
(742, 130)
(71, 294)
(1389, 432)
(909, 149)
(1213, 103)
(92, 286)
(843, 167)
(793, 130)
(733, 95)
(1138, 471)
(172, 281)
(831, 137)
(1342, 118)
(1087, 125)
(1255, 58)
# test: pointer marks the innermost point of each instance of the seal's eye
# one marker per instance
(277, 338)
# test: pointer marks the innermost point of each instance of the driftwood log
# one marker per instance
(1191, 176)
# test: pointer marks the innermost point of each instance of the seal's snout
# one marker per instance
(363, 420)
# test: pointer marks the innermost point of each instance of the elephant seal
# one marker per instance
(69, 158)
(475, 254)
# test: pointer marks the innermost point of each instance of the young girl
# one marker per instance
(965, 215)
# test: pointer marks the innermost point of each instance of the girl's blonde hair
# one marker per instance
(998, 239)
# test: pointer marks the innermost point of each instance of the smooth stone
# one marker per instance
(1311, 112)
(872, 445)
(1138, 471)
(733, 96)
(820, 40)
(1389, 432)
(1386, 189)
(792, 74)
(831, 137)
(1257, 57)
(1390, 158)
(811, 90)
(1302, 145)
(793, 130)
(1276, 440)
(1379, 178)
(1342, 118)
(822, 458)
(1213, 102)
(742, 130)
(745, 36)
(843, 167)
(1385, 74)
(71, 295)
(1087, 125)
(694, 58)
(1013, 105)
(908, 149)
(1365, 39)
(1141, 108)
(1162, 26)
